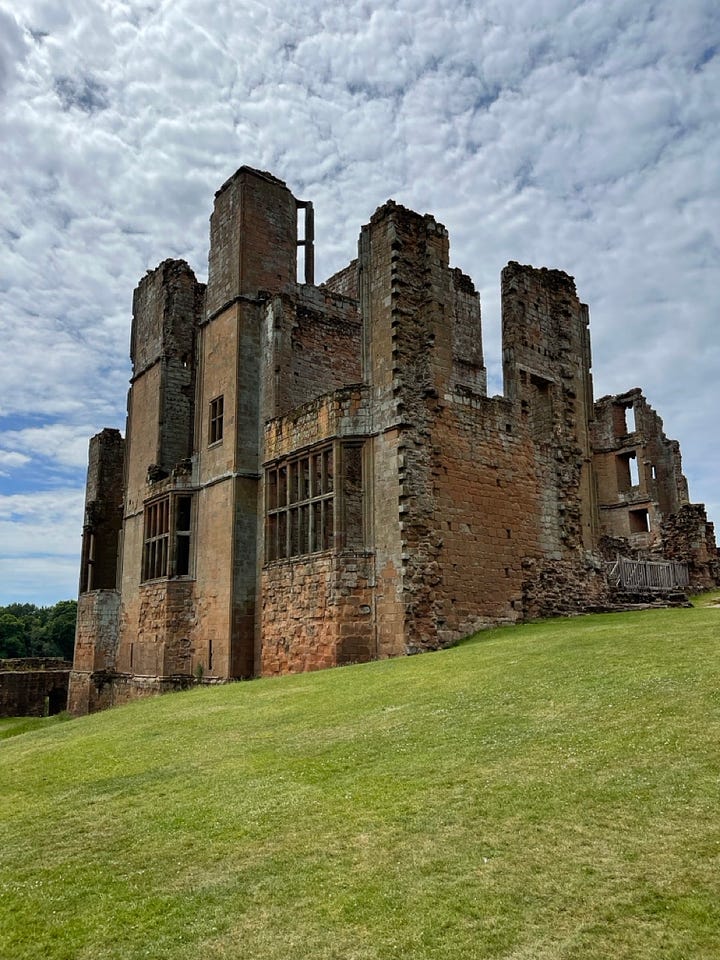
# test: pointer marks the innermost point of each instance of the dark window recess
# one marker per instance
(639, 521)
(352, 495)
(183, 507)
(167, 541)
(540, 408)
(217, 407)
(87, 563)
(304, 512)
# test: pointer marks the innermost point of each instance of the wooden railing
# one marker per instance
(656, 575)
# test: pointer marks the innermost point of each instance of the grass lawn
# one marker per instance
(544, 791)
(12, 726)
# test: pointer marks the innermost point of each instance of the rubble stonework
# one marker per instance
(33, 686)
(315, 475)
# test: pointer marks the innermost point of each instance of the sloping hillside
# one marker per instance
(544, 791)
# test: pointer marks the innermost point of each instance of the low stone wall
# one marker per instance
(559, 588)
(33, 687)
(101, 690)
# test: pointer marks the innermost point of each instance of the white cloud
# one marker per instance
(11, 460)
(65, 444)
(40, 537)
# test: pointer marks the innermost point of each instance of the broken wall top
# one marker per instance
(167, 306)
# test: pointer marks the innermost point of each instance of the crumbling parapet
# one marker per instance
(639, 469)
(103, 511)
(168, 305)
(689, 538)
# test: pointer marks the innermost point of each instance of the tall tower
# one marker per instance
(546, 367)
(253, 256)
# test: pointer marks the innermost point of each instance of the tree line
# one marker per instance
(30, 631)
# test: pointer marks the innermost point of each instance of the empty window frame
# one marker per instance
(300, 498)
(87, 563)
(623, 419)
(628, 475)
(217, 407)
(167, 538)
(639, 521)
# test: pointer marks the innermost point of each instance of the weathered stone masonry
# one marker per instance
(315, 475)
(33, 686)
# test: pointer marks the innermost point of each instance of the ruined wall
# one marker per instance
(639, 470)
(486, 509)
(468, 376)
(253, 238)
(546, 368)
(167, 305)
(345, 281)
(167, 309)
(96, 631)
(378, 248)
(96, 647)
(33, 686)
(311, 345)
(103, 511)
(441, 529)
(476, 499)
(687, 536)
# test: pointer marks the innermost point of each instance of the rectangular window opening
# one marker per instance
(628, 472)
(216, 420)
(300, 503)
(305, 265)
(639, 521)
(634, 471)
(167, 524)
(630, 418)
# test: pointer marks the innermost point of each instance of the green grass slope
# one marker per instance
(544, 791)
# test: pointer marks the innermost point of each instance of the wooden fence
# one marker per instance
(655, 575)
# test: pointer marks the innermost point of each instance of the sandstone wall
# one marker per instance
(317, 612)
(33, 687)
(311, 346)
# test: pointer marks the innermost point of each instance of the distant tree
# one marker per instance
(12, 635)
(30, 631)
(61, 627)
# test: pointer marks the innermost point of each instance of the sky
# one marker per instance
(583, 136)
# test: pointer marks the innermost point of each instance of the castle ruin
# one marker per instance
(314, 475)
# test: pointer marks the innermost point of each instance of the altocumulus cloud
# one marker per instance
(580, 135)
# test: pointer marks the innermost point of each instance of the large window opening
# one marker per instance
(300, 505)
(167, 539)
(308, 510)
(624, 419)
(628, 473)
